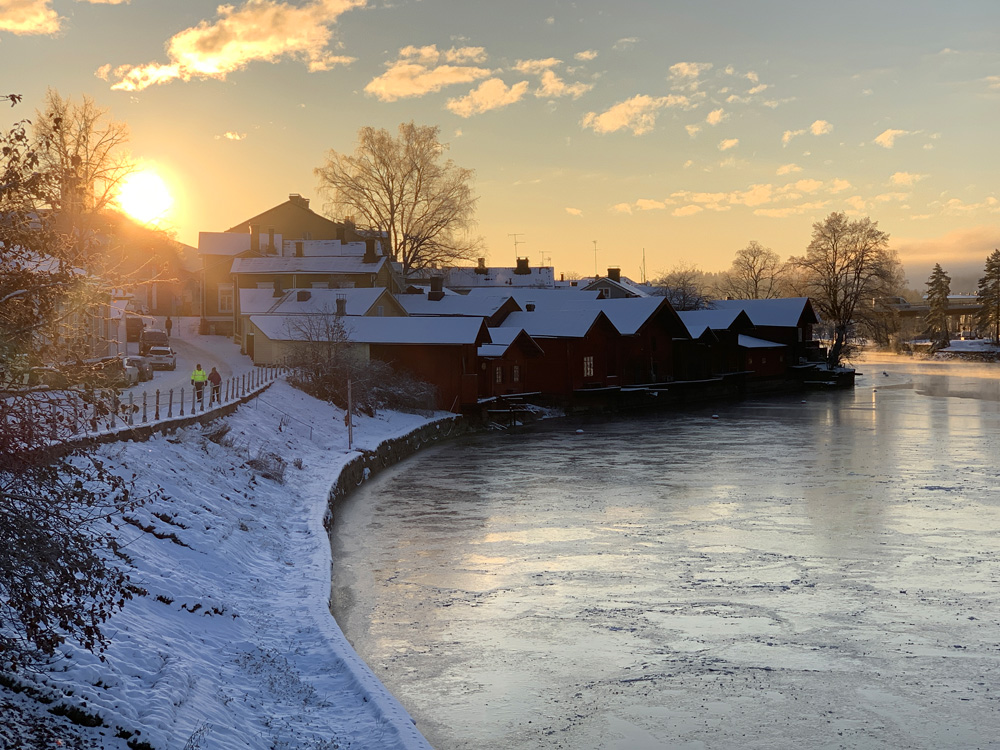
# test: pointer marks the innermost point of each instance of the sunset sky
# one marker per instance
(682, 129)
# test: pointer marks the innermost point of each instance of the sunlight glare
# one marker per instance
(145, 197)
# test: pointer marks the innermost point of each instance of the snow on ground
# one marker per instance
(233, 646)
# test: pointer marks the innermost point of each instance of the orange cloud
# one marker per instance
(637, 114)
(424, 70)
(24, 17)
(259, 31)
(491, 94)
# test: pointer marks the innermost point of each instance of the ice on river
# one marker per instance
(817, 573)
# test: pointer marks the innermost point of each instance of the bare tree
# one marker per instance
(62, 572)
(403, 188)
(683, 286)
(848, 271)
(757, 273)
(85, 151)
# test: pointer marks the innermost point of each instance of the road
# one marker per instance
(192, 348)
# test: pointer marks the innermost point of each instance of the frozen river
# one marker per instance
(797, 573)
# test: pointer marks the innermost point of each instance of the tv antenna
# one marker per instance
(517, 242)
(595, 258)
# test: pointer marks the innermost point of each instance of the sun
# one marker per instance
(145, 197)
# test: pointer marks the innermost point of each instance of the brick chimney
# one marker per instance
(370, 256)
(341, 305)
(437, 289)
(298, 200)
(522, 269)
(615, 274)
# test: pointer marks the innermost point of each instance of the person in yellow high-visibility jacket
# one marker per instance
(198, 378)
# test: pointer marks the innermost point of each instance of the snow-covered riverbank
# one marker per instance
(233, 645)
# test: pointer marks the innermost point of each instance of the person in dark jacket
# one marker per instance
(216, 380)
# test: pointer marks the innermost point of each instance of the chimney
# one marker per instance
(299, 249)
(341, 305)
(437, 289)
(481, 268)
(270, 241)
(522, 267)
(615, 274)
(255, 238)
(298, 200)
(277, 289)
(529, 307)
(303, 295)
(370, 256)
(562, 277)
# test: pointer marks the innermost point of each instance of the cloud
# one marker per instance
(838, 185)
(887, 138)
(781, 213)
(788, 169)
(992, 82)
(647, 204)
(586, 56)
(728, 143)
(692, 130)
(716, 116)
(857, 203)
(958, 207)
(625, 43)
(552, 86)
(685, 70)
(637, 114)
(888, 197)
(820, 127)
(24, 17)
(968, 247)
(491, 94)
(622, 208)
(424, 70)
(232, 135)
(688, 210)
(906, 178)
(105, 2)
(759, 88)
(258, 31)
(574, 211)
(787, 136)
(536, 67)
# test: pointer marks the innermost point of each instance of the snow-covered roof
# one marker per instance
(749, 342)
(323, 248)
(324, 301)
(543, 299)
(223, 243)
(499, 278)
(572, 324)
(452, 304)
(625, 284)
(503, 339)
(365, 330)
(696, 321)
(315, 264)
(782, 312)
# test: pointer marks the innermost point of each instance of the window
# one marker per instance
(588, 367)
(499, 374)
(225, 298)
(516, 373)
(380, 311)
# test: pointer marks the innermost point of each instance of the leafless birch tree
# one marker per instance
(402, 187)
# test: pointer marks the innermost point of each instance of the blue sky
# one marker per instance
(675, 130)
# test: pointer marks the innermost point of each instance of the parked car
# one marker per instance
(152, 337)
(144, 365)
(162, 358)
(133, 327)
(106, 372)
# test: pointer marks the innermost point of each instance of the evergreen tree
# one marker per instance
(938, 289)
(988, 317)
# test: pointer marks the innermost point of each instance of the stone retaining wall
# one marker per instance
(362, 468)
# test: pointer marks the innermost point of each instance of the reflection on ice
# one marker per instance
(789, 575)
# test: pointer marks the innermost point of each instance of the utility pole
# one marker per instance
(644, 265)
(595, 258)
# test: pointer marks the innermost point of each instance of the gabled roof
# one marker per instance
(785, 312)
(367, 330)
(697, 321)
(223, 243)
(316, 264)
(293, 206)
(626, 285)
(503, 341)
(749, 342)
(453, 304)
(543, 299)
(562, 324)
